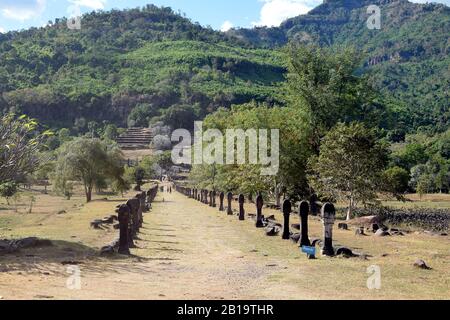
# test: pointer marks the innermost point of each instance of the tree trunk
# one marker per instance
(350, 210)
(89, 194)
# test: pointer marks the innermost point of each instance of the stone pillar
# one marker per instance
(287, 209)
(259, 206)
(134, 205)
(140, 210)
(210, 198)
(124, 220)
(241, 207)
(214, 199)
(221, 197)
(328, 217)
(313, 204)
(304, 212)
(202, 194)
(230, 199)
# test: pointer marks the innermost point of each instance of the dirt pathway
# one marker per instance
(187, 250)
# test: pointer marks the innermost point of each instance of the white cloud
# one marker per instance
(92, 4)
(2, 30)
(274, 12)
(24, 10)
(227, 25)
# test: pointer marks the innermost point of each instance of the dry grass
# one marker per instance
(188, 250)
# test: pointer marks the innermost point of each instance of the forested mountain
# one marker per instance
(150, 58)
(408, 58)
(152, 63)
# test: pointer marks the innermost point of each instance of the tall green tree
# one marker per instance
(323, 83)
(88, 161)
(350, 165)
(20, 143)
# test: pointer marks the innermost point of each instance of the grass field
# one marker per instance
(187, 250)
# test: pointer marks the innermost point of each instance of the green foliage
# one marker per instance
(407, 60)
(8, 190)
(20, 143)
(120, 60)
(90, 161)
(349, 166)
(396, 181)
(323, 85)
(247, 178)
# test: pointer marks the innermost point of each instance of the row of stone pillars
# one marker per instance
(130, 217)
(305, 208)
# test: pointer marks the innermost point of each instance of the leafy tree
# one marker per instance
(92, 127)
(111, 132)
(20, 143)
(395, 181)
(8, 190)
(161, 142)
(413, 154)
(88, 161)
(63, 135)
(323, 84)
(135, 175)
(425, 184)
(349, 166)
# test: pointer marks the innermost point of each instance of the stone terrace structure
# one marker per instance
(136, 139)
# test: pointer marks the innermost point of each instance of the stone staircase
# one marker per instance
(135, 139)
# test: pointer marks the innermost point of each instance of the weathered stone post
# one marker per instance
(287, 209)
(206, 197)
(214, 199)
(259, 206)
(328, 218)
(202, 195)
(221, 197)
(130, 226)
(230, 199)
(313, 203)
(304, 212)
(140, 216)
(210, 199)
(124, 220)
(134, 205)
(241, 207)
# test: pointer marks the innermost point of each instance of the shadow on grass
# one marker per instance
(53, 260)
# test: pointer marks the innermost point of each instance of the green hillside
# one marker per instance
(151, 62)
(147, 57)
(408, 59)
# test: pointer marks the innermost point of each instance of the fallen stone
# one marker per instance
(71, 263)
(360, 231)
(96, 224)
(296, 226)
(343, 226)
(33, 242)
(382, 233)
(315, 242)
(61, 212)
(107, 251)
(295, 237)
(272, 217)
(421, 265)
(345, 252)
(272, 231)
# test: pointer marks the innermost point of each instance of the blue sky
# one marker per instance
(220, 14)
